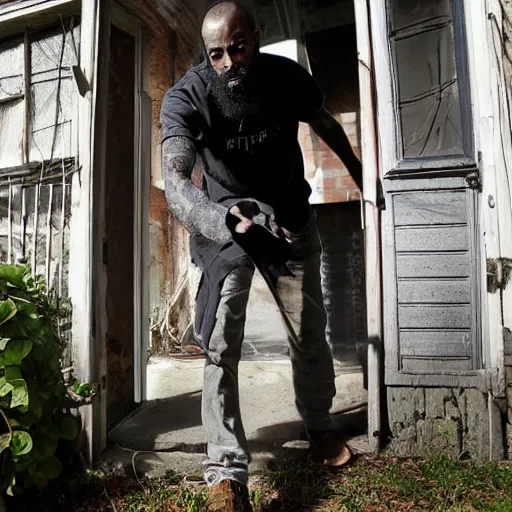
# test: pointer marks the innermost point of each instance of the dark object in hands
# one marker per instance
(259, 242)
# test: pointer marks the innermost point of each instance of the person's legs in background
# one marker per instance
(311, 357)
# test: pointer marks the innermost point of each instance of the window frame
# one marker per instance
(27, 37)
(465, 162)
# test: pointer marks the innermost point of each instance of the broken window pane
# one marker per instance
(12, 116)
(12, 104)
(427, 81)
(11, 68)
(407, 13)
(52, 92)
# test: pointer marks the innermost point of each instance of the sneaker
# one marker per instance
(228, 496)
(328, 449)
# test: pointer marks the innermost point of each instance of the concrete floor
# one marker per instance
(166, 432)
(265, 335)
(167, 429)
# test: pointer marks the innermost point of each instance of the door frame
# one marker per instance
(142, 145)
(371, 219)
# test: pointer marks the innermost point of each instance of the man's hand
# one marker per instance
(244, 223)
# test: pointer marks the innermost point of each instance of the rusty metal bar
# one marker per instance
(9, 225)
(49, 235)
(23, 233)
(62, 228)
(34, 233)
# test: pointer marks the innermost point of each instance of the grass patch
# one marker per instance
(370, 484)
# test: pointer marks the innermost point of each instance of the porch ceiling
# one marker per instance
(182, 16)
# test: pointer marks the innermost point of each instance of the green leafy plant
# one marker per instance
(83, 389)
(32, 388)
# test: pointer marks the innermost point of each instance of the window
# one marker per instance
(37, 95)
(12, 102)
(38, 104)
(430, 82)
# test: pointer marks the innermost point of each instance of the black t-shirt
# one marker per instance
(260, 158)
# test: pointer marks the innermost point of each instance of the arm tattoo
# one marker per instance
(189, 204)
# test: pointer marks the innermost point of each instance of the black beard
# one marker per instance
(236, 102)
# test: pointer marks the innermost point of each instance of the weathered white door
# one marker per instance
(431, 246)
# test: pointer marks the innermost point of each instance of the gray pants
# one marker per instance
(311, 358)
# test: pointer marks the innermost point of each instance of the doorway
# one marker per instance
(312, 33)
(170, 420)
(119, 225)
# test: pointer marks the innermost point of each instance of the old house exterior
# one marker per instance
(424, 95)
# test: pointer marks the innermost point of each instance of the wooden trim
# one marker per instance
(371, 222)
(99, 278)
(86, 289)
(425, 165)
(460, 41)
(9, 224)
(27, 82)
(503, 167)
(476, 279)
(391, 351)
(144, 198)
(424, 184)
(484, 79)
(383, 76)
(14, 19)
(142, 165)
(27, 7)
(138, 284)
(479, 379)
(80, 259)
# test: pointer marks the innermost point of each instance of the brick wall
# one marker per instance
(337, 74)
(170, 33)
(327, 175)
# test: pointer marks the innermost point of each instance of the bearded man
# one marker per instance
(239, 111)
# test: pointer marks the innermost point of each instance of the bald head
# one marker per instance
(221, 10)
(230, 36)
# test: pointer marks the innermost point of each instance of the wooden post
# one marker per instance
(487, 138)
(9, 226)
(99, 276)
(503, 167)
(27, 70)
(85, 268)
(371, 222)
(49, 236)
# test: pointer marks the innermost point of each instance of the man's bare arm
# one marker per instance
(187, 202)
(332, 133)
